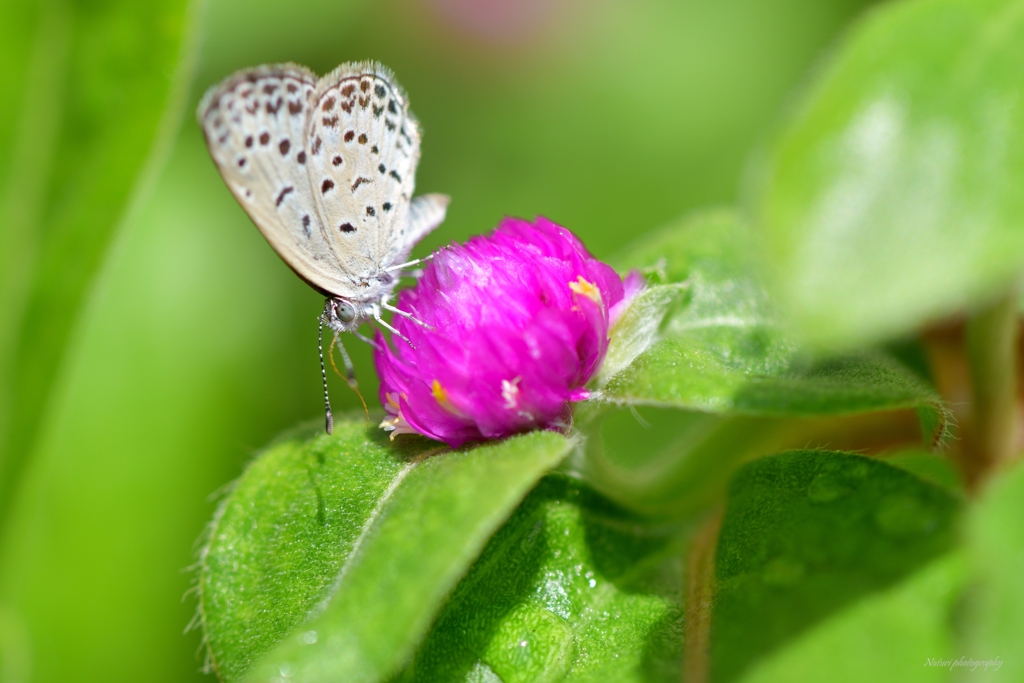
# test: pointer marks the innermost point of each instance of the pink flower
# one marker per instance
(518, 324)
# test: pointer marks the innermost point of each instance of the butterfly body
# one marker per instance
(325, 167)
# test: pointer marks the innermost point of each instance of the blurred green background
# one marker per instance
(197, 344)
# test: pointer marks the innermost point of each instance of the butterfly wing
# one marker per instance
(255, 123)
(426, 212)
(364, 147)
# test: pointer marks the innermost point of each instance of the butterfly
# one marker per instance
(325, 168)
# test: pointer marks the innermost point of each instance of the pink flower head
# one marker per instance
(518, 324)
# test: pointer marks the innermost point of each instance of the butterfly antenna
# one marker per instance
(350, 372)
(323, 375)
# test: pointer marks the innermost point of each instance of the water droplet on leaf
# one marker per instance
(902, 515)
(825, 488)
(782, 571)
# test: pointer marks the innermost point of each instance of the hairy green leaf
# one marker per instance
(331, 555)
(891, 196)
(702, 375)
(571, 589)
(90, 114)
(807, 533)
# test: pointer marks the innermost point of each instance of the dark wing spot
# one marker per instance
(328, 104)
(386, 206)
(382, 169)
(305, 225)
(272, 109)
(301, 157)
(223, 138)
(248, 141)
(327, 186)
(406, 136)
(349, 135)
(391, 107)
(375, 150)
(330, 122)
(294, 107)
(347, 227)
(389, 123)
(377, 111)
(269, 88)
(370, 211)
(347, 106)
(284, 146)
(247, 93)
(348, 90)
(264, 138)
(316, 145)
(337, 160)
(241, 162)
(362, 138)
(379, 89)
(395, 175)
(283, 194)
(364, 86)
(359, 181)
(292, 87)
(363, 101)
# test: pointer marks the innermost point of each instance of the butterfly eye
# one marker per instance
(345, 312)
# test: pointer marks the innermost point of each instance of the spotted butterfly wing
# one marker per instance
(364, 148)
(325, 168)
(255, 125)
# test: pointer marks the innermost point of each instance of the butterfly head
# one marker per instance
(343, 315)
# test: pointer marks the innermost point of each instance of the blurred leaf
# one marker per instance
(95, 118)
(807, 533)
(891, 635)
(723, 350)
(995, 606)
(892, 196)
(719, 355)
(571, 589)
(931, 467)
(176, 380)
(355, 544)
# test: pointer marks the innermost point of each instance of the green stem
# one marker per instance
(992, 337)
(700, 597)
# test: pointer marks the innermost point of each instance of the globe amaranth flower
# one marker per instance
(517, 322)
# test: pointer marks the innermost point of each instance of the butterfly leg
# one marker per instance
(367, 340)
(414, 262)
(397, 311)
(350, 372)
(380, 321)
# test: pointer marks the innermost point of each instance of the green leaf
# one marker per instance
(723, 349)
(331, 555)
(808, 533)
(571, 589)
(91, 112)
(899, 634)
(995, 608)
(891, 197)
(708, 376)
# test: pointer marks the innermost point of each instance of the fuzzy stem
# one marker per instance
(992, 336)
